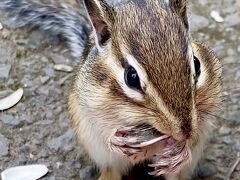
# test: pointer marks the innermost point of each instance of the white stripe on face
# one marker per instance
(191, 61)
(141, 74)
(203, 74)
(150, 89)
(202, 77)
(118, 72)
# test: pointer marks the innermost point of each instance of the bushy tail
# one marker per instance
(59, 18)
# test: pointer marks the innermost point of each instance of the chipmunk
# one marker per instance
(144, 88)
(142, 67)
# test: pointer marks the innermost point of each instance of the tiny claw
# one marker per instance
(124, 131)
(125, 141)
(157, 173)
(124, 150)
(117, 142)
(159, 164)
(131, 151)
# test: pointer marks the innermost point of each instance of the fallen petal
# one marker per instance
(1, 26)
(30, 172)
(216, 16)
(63, 67)
(11, 100)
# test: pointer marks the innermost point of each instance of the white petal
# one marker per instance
(1, 26)
(11, 100)
(216, 16)
(63, 67)
(30, 172)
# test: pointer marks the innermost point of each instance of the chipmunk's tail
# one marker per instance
(59, 18)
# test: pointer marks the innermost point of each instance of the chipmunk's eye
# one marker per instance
(131, 78)
(197, 66)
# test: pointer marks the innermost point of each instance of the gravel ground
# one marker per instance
(37, 130)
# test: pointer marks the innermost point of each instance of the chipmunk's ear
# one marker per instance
(180, 7)
(101, 16)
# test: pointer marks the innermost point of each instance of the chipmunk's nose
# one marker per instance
(186, 128)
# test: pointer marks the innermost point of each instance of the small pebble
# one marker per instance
(22, 42)
(63, 80)
(5, 33)
(224, 131)
(58, 59)
(9, 119)
(49, 71)
(89, 173)
(62, 143)
(24, 149)
(206, 170)
(5, 70)
(232, 19)
(4, 146)
(44, 79)
(198, 22)
(228, 140)
(237, 146)
(43, 153)
(73, 164)
(36, 37)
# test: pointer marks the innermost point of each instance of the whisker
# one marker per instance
(216, 116)
(229, 95)
(233, 63)
(230, 89)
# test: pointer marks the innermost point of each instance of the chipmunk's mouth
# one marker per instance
(139, 143)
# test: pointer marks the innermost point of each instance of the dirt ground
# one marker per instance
(37, 130)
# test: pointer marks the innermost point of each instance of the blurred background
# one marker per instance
(37, 129)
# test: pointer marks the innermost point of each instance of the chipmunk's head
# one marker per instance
(149, 71)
